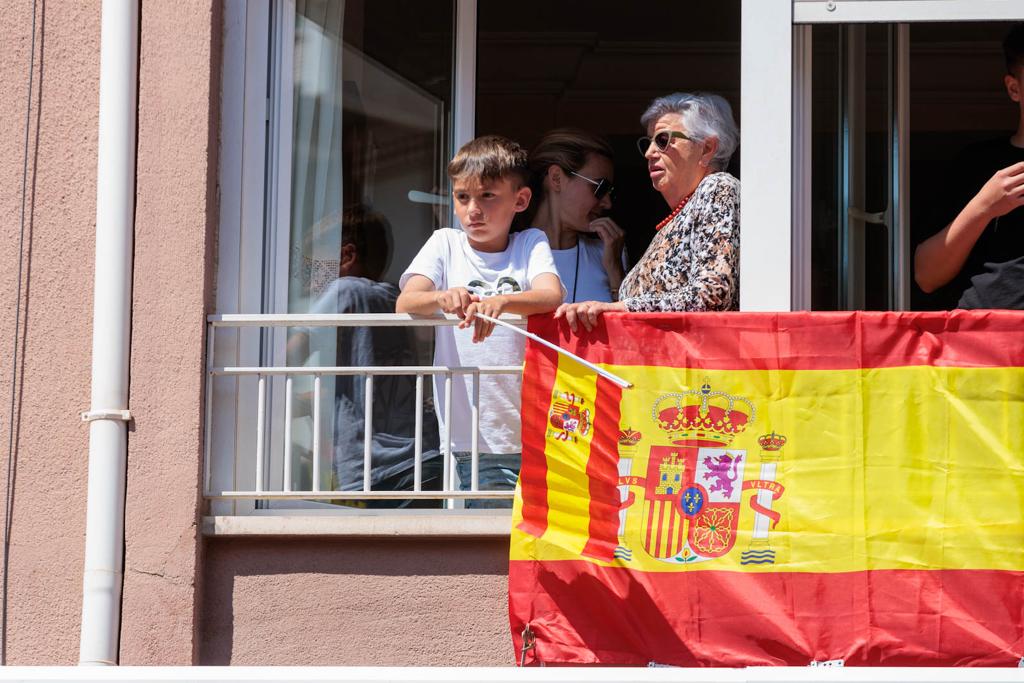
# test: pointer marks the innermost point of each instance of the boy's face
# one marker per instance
(486, 209)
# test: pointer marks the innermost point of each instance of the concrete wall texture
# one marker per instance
(186, 599)
(47, 518)
(174, 236)
(394, 602)
(175, 232)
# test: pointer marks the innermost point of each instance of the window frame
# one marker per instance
(242, 173)
(775, 166)
(255, 153)
(790, 81)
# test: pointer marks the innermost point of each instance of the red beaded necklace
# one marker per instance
(675, 212)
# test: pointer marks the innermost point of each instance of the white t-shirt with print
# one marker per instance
(449, 261)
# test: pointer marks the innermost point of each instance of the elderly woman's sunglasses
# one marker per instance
(603, 187)
(661, 140)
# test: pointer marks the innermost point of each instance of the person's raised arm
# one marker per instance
(939, 258)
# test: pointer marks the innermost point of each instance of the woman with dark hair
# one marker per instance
(572, 183)
(692, 264)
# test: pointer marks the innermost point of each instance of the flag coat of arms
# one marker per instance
(775, 489)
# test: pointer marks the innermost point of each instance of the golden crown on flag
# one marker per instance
(703, 415)
(772, 442)
(629, 437)
(628, 440)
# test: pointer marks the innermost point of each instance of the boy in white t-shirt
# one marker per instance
(483, 269)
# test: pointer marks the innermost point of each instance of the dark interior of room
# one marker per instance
(543, 65)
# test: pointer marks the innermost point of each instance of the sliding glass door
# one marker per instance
(871, 115)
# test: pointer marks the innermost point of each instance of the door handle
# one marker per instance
(876, 218)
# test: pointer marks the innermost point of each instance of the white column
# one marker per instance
(766, 155)
(464, 104)
(803, 117)
(464, 100)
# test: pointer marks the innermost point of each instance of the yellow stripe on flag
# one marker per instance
(878, 473)
(569, 493)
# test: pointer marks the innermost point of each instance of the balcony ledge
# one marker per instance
(436, 524)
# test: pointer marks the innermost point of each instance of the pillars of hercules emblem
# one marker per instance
(760, 551)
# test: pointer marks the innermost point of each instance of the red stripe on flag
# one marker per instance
(799, 340)
(650, 525)
(661, 522)
(603, 473)
(533, 472)
(585, 614)
(670, 543)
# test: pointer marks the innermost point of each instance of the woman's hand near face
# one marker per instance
(586, 312)
(613, 239)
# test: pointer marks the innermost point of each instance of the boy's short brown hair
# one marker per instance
(489, 158)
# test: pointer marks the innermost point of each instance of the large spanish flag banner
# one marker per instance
(775, 489)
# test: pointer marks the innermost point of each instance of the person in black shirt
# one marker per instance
(366, 245)
(981, 249)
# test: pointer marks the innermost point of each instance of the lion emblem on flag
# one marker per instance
(722, 470)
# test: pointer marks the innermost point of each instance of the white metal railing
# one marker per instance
(267, 374)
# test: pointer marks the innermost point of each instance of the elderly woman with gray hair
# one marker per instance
(692, 264)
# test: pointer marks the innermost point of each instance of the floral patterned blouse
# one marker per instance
(693, 263)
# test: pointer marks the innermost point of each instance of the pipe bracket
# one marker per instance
(107, 414)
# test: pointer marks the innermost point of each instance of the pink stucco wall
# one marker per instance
(175, 228)
(48, 519)
(258, 601)
(393, 602)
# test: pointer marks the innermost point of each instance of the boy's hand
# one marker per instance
(491, 307)
(456, 300)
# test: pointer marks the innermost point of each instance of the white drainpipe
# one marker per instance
(108, 415)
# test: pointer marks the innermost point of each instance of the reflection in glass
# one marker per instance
(850, 158)
(371, 103)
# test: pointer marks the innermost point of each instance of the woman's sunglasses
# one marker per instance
(661, 140)
(603, 189)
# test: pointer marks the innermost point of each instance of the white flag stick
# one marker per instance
(601, 371)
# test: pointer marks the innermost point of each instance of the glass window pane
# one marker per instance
(371, 104)
(849, 157)
(957, 103)
(372, 98)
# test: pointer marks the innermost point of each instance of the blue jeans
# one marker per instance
(498, 472)
(405, 481)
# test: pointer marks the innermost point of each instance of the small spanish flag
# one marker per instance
(776, 489)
